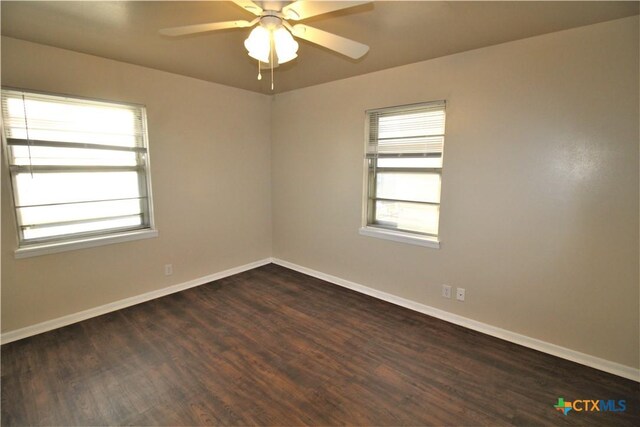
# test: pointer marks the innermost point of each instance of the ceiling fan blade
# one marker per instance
(347, 47)
(202, 28)
(303, 9)
(249, 6)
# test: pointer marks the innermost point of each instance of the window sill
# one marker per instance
(51, 248)
(399, 236)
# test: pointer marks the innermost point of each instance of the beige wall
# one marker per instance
(210, 171)
(539, 216)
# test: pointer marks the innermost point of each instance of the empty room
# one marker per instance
(320, 213)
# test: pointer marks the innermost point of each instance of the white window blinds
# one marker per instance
(415, 130)
(78, 167)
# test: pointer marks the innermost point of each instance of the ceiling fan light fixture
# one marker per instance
(286, 46)
(259, 44)
(272, 42)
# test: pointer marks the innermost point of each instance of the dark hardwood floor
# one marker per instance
(275, 347)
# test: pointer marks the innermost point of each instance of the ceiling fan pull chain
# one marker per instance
(259, 73)
(271, 52)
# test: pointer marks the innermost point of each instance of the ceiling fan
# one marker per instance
(272, 42)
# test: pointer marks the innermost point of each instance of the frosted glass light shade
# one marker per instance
(259, 44)
(286, 46)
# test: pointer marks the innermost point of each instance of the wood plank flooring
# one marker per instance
(275, 347)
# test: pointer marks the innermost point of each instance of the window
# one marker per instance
(404, 170)
(79, 170)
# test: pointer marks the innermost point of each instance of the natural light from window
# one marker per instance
(78, 167)
(404, 167)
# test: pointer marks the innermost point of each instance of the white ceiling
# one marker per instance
(398, 33)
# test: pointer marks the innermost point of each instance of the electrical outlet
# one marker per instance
(446, 291)
(460, 294)
(168, 269)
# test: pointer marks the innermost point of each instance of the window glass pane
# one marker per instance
(408, 216)
(65, 187)
(411, 162)
(60, 230)
(419, 187)
(78, 211)
(71, 156)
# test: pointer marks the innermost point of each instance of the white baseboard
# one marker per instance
(545, 347)
(49, 325)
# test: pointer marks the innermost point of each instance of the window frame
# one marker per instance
(62, 243)
(369, 227)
